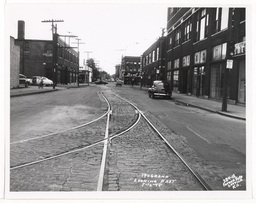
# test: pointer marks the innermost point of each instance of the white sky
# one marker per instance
(108, 30)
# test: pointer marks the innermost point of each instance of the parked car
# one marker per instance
(23, 80)
(119, 83)
(99, 82)
(36, 80)
(160, 89)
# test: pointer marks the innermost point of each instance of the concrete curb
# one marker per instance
(31, 93)
(231, 116)
(210, 110)
(47, 91)
(206, 109)
(195, 106)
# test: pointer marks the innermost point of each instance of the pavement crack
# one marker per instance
(69, 175)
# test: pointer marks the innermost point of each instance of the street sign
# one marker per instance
(229, 63)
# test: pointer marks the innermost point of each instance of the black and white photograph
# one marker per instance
(119, 100)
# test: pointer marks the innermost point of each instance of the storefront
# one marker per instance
(242, 82)
(218, 67)
(198, 81)
(239, 55)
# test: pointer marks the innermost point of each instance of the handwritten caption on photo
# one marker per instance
(151, 180)
(232, 181)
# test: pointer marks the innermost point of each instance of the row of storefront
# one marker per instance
(204, 48)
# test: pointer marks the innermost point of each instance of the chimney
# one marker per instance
(21, 30)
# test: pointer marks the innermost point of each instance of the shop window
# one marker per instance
(217, 77)
(175, 80)
(169, 76)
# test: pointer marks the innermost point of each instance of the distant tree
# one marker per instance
(95, 72)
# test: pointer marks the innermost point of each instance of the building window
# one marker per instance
(187, 30)
(169, 76)
(177, 37)
(200, 57)
(176, 63)
(219, 52)
(153, 56)
(157, 53)
(26, 48)
(175, 80)
(221, 19)
(202, 25)
(186, 61)
(169, 65)
(242, 14)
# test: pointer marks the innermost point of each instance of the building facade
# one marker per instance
(118, 72)
(154, 62)
(205, 49)
(131, 69)
(53, 59)
(14, 63)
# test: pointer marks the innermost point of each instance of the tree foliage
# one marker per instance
(95, 72)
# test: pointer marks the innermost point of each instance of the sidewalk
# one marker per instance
(22, 91)
(233, 111)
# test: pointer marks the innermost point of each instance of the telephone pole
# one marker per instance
(55, 50)
(78, 43)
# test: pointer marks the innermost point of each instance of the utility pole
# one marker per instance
(88, 52)
(229, 63)
(55, 50)
(78, 43)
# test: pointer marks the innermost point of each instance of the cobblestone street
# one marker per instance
(136, 160)
(140, 160)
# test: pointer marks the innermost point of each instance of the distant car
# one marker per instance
(160, 89)
(23, 80)
(100, 82)
(36, 80)
(119, 83)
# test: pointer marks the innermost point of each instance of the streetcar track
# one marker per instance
(80, 148)
(108, 139)
(195, 174)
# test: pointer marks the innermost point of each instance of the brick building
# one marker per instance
(131, 69)
(200, 41)
(118, 72)
(37, 58)
(14, 63)
(154, 62)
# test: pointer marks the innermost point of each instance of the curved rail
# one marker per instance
(195, 174)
